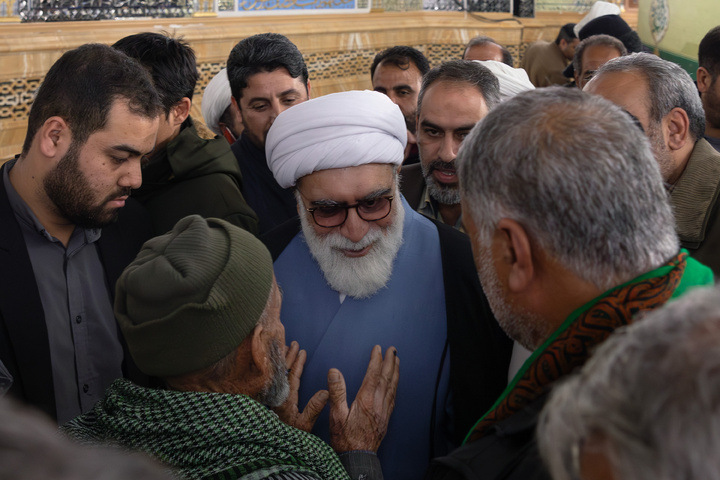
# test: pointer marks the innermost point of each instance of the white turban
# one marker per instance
(598, 9)
(512, 80)
(339, 130)
(216, 100)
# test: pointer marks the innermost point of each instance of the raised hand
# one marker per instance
(289, 411)
(363, 425)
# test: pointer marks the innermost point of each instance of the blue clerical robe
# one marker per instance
(408, 314)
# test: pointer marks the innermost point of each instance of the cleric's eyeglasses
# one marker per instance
(370, 210)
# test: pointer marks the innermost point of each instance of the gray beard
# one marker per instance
(528, 329)
(359, 277)
(277, 391)
(443, 194)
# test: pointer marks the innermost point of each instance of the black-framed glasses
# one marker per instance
(370, 210)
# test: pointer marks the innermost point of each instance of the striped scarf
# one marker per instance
(570, 346)
(204, 435)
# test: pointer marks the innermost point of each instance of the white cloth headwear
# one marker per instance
(598, 9)
(512, 80)
(215, 100)
(339, 130)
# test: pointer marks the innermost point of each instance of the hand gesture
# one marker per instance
(364, 424)
(288, 411)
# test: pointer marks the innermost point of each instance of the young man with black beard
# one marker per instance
(69, 228)
(361, 268)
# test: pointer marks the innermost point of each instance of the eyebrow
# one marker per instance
(282, 94)
(129, 149)
(371, 196)
(426, 123)
(402, 87)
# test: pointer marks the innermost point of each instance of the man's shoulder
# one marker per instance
(508, 451)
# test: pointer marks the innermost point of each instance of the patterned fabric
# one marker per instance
(569, 347)
(204, 435)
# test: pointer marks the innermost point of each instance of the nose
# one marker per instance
(132, 176)
(354, 228)
(448, 149)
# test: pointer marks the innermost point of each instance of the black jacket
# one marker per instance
(24, 344)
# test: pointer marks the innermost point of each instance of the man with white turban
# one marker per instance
(363, 268)
(220, 114)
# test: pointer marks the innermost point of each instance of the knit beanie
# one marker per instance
(191, 296)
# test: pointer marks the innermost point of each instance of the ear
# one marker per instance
(259, 351)
(181, 111)
(515, 255)
(704, 79)
(54, 137)
(308, 89)
(563, 44)
(677, 125)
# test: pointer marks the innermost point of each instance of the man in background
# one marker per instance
(398, 72)
(707, 75)
(485, 48)
(267, 76)
(545, 61)
(186, 174)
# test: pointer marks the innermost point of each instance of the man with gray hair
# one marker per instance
(646, 405)
(200, 309)
(573, 235)
(453, 98)
(592, 53)
(664, 100)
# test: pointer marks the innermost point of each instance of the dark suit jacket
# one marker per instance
(24, 344)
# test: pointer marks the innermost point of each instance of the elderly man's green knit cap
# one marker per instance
(191, 296)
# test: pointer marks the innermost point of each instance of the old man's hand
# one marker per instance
(289, 411)
(363, 425)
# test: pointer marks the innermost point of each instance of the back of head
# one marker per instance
(171, 62)
(464, 72)
(614, 26)
(668, 87)
(566, 33)
(192, 296)
(709, 52)
(604, 40)
(578, 175)
(265, 52)
(31, 447)
(402, 57)
(648, 399)
(81, 87)
(484, 40)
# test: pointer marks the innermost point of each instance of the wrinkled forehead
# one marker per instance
(348, 184)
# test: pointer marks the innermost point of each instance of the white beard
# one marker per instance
(357, 277)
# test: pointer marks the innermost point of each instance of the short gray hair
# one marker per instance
(580, 177)
(604, 40)
(464, 71)
(668, 87)
(650, 394)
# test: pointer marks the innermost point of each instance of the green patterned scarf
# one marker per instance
(203, 435)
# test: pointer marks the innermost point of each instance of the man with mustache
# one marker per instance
(453, 98)
(361, 268)
(199, 308)
(573, 237)
(69, 228)
(397, 72)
